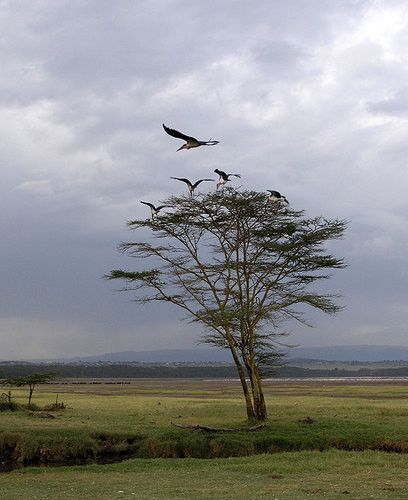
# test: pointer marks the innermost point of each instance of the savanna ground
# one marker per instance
(341, 454)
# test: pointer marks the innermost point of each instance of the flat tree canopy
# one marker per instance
(238, 265)
(29, 380)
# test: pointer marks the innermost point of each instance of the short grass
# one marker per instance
(105, 417)
(100, 416)
(331, 474)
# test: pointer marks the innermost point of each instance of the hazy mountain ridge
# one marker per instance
(332, 353)
(352, 353)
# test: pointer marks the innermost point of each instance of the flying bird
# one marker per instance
(224, 177)
(190, 185)
(191, 142)
(154, 210)
(275, 196)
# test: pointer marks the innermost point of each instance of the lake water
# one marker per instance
(357, 380)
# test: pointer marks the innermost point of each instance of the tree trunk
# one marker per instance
(258, 396)
(30, 395)
(257, 393)
(248, 401)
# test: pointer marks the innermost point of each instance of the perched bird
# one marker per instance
(224, 177)
(191, 142)
(275, 196)
(154, 210)
(190, 185)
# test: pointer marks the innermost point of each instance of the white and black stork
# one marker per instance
(224, 177)
(275, 196)
(190, 185)
(154, 210)
(191, 142)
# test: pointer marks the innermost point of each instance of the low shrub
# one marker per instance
(8, 406)
(6, 403)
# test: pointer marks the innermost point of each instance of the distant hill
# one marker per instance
(208, 355)
(352, 353)
(160, 356)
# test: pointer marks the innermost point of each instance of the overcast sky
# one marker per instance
(309, 97)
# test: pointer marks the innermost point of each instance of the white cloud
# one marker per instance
(40, 188)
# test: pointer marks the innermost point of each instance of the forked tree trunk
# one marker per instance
(251, 414)
(241, 372)
(255, 402)
(259, 402)
(257, 393)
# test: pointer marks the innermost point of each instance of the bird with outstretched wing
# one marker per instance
(154, 210)
(224, 177)
(191, 142)
(190, 185)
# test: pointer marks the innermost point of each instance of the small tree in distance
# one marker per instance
(29, 380)
(238, 266)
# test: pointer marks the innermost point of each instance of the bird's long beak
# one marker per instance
(181, 147)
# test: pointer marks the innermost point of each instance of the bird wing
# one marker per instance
(200, 181)
(183, 179)
(179, 135)
(235, 175)
(148, 204)
(160, 207)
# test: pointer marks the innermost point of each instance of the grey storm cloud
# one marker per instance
(306, 96)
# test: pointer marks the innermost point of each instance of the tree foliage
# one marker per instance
(240, 267)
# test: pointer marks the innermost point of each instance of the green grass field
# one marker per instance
(295, 475)
(138, 416)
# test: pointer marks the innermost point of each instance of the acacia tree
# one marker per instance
(239, 266)
(31, 381)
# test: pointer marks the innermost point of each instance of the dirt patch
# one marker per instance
(40, 414)
(307, 420)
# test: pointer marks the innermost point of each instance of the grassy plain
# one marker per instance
(291, 475)
(138, 415)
